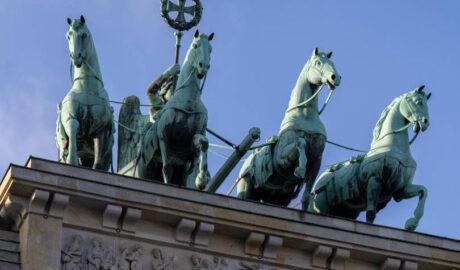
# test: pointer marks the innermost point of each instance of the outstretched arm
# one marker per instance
(154, 98)
(155, 85)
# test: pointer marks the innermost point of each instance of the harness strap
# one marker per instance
(404, 127)
(72, 79)
(326, 102)
(306, 102)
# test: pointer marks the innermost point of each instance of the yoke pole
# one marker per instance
(232, 161)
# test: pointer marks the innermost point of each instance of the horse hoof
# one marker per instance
(200, 183)
(300, 172)
(411, 224)
(370, 216)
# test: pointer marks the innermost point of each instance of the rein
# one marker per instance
(72, 79)
(305, 103)
(403, 128)
(188, 78)
(326, 102)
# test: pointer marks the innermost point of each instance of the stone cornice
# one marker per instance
(125, 201)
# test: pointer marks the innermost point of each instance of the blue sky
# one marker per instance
(381, 49)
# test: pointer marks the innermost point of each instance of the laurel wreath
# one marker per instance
(181, 26)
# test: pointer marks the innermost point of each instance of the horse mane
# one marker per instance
(190, 52)
(383, 116)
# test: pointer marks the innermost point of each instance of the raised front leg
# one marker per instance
(201, 143)
(411, 191)
(71, 128)
(300, 171)
(374, 187)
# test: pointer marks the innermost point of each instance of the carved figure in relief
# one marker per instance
(196, 262)
(219, 263)
(130, 258)
(122, 262)
(108, 261)
(71, 256)
(96, 255)
(276, 173)
(161, 261)
(216, 263)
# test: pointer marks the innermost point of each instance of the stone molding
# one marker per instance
(58, 204)
(320, 256)
(184, 230)
(339, 258)
(213, 225)
(391, 264)
(130, 219)
(271, 246)
(37, 202)
(254, 242)
(203, 234)
(14, 209)
(111, 216)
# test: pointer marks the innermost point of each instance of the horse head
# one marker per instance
(200, 53)
(321, 70)
(414, 108)
(79, 39)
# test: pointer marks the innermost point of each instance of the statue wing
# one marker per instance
(131, 126)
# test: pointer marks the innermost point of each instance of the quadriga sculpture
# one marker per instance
(84, 132)
(174, 146)
(368, 182)
(276, 174)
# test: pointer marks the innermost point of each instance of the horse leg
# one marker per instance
(245, 189)
(71, 128)
(318, 203)
(167, 165)
(313, 168)
(201, 143)
(374, 187)
(411, 191)
(301, 169)
(98, 142)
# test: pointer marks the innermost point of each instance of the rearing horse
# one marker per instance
(176, 140)
(276, 174)
(84, 133)
(368, 182)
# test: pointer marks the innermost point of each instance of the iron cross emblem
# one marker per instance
(180, 23)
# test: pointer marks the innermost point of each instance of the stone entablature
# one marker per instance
(70, 217)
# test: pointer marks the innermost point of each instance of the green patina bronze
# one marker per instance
(276, 173)
(368, 182)
(132, 125)
(172, 146)
(84, 132)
